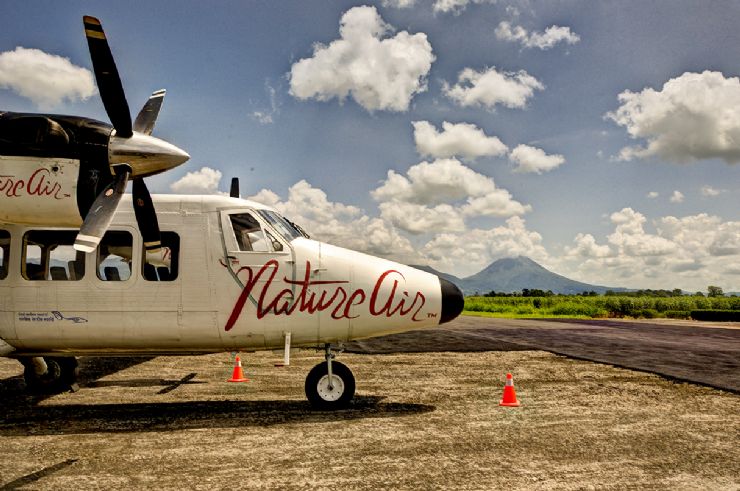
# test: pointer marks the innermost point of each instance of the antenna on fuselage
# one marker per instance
(234, 193)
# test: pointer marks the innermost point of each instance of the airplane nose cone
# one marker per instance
(452, 301)
(145, 154)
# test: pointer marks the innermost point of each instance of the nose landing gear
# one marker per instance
(330, 385)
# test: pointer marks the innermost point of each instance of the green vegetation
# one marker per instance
(647, 304)
(716, 315)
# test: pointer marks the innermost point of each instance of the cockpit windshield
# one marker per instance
(287, 229)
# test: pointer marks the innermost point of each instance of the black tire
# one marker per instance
(69, 370)
(317, 387)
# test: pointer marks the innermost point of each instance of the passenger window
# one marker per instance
(163, 265)
(114, 256)
(4, 253)
(249, 235)
(50, 255)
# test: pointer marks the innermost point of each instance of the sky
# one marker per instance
(601, 139)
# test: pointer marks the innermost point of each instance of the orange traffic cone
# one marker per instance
(509, 393)
(238, 375)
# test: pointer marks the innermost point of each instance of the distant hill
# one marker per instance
(514, 274)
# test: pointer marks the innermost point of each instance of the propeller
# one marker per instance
(146, 215)
(101, 212)
(133, 152)
(107, 78)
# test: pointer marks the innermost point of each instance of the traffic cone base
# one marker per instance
(509, 398)
(238, 374)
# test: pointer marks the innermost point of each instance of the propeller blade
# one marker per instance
(101, 213)
(106, 75)
(147, 117)
(235, 188)
(146, 217)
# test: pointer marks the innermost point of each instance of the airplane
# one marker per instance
(88, 270)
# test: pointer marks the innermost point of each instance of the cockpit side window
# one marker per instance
(287, 229)
(249, 234)
(4, 253)
(50, 255)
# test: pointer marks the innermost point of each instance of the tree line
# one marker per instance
(712, 292)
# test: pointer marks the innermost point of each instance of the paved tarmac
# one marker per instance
(703, 353)
(426, 416)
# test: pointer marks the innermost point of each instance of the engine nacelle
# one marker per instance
(39, 191)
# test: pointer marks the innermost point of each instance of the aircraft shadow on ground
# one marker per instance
(175, 416)
(14, 393)
(35, 476)
(167, 385)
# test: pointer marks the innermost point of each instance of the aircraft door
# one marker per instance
(259, 265)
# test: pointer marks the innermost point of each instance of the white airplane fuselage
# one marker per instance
(216, 296)
(86, 270)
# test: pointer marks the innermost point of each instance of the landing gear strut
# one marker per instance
(50, 374)
(330, 385)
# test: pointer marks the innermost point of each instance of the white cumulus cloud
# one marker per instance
(420, 219)
(443, 191)
(702, 235)
(455, 6)
(688, 252)
(631, 239)
(338, 223)
(399, 4)
(542, 40)
(497, 203)
(313, 204)
(532, 159)
(444, 180)
(462, 140)
(469, 252)
(693, 117)
(43, 78)
(676, 197)
(490, 87)
(586, 246)
(711, 192)
(203, 181)
(378, 73)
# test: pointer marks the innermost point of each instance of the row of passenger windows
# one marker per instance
(50, 255)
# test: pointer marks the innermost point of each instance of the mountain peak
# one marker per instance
(520, 272)
(512, 274)
(513, 261)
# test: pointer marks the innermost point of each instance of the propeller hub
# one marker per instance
(145, 154)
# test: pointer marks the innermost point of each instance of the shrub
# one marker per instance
(678, 314)
(647, 313)
(716, 315)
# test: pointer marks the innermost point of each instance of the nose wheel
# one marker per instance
(330, 385)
